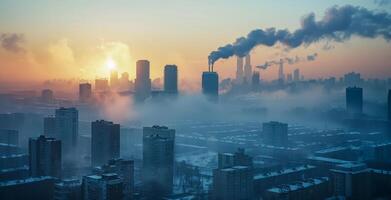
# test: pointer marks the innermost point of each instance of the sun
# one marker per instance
(110, 64)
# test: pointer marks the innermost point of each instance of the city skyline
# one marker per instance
(52, 52)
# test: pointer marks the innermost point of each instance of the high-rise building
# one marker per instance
(289, 77)
(105, 186)
(85, 92)
(235, 183)
(255, 81)
(210, 85)
(68, 189)
(296, 75)
(142, 82)
(354, 101)
(101, 85)
(45, 157)
(239, 70)
(171, 79)
(47, 96)
(105, 144)
(389, 105)
(114, 81)
(233, 179)
(124, 169)
(352, 79)
(281, 75)
(9, 137)
(158, 161)
(124, 82)
(49, 126)
(67, 129)
(352, 181)
(248, 69)
(275, 133)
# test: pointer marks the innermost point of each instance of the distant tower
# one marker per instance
(289, 77)
(45, 157)
(114, 79)
(171, 79)
(85, 92)
(67, 128)
(296, 75)
(105, 142)
(101, 85)
(239, 70)
(354, 101)
(49, 126)
(124, 82)
(281, 75)
(47, 96)
(158, 161)
(275, 133)
(248, 69)
(142, 82)
(255, 81)
(210, 85)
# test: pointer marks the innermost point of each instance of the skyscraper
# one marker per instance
(10, 137)
(239, 70)
(142, 82)
(49, 126)
(85, 92)
(67, 128)
(158, 161)
(255, 81)
(45, 157)
(105, 142)
(247, 69)
(275, 133)
(210, 85)
(114, 79)
(296, 75)
(171, 79)
(354, 101)
(281, 75)
(124, 82)
(352, 79)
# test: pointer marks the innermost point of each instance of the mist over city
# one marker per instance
(195, 100)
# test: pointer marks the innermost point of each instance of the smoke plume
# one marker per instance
(12, 42)
(289, 60)
(338, 24)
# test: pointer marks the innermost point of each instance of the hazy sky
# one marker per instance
(63, 39)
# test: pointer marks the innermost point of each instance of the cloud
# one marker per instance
(12, 42)
(382, 2)
(61, 53)
(338, 24)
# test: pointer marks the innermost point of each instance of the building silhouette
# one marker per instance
(67, 130)
(158, 161)
(233, 179)
(105, 142)
(45, 157)
(101, 85)
(248, 69)
(275, 133)
(114, 80)
(85, 92)
(49, 126)
(354, 101)
(296, 75)
(68, 189)
(171, 79)
(210, 85)
(239, 70)
(105, 186)
(142, 82)
(47, 96)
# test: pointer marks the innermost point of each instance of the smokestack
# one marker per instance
(281, 71)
